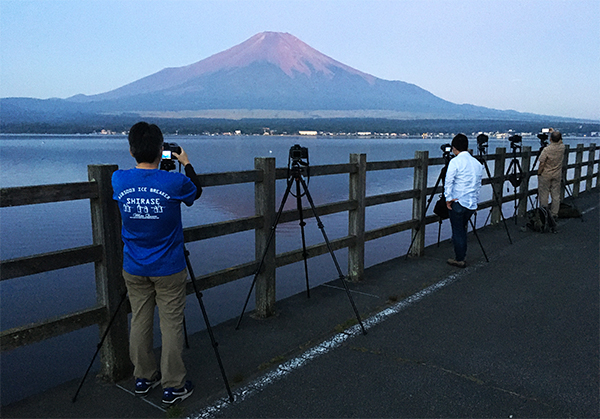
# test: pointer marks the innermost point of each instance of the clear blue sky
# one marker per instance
(540, 56)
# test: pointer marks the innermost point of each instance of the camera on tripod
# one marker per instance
(167, 162)
(298, 153)
(515, 141)
(482, 143)
(543, 139)
(446, 149)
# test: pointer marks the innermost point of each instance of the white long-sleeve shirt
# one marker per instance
(463, 180)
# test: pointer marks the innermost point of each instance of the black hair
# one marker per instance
(555, 136)
(145, 142)
(460, 142)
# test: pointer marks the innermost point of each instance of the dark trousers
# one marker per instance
(459, 218)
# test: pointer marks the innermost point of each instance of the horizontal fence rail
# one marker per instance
(106, 250)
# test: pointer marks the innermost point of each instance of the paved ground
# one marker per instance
(517, 336)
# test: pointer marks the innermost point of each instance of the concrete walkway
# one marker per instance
(517, 336)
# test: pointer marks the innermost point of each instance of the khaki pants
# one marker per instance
(549, 186)
(169, 294)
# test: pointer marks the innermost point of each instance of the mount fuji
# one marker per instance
(269, 75)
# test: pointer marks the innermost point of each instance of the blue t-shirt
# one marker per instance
(150, 204)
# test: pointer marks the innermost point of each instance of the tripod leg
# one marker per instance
(269, 240)
(513, 166)
(112, 319)
(302, 224)
(185, 334)
(208, 328)
(522, 178)
(337, 265)
(478, 241)
(422, 223)
(487, 170)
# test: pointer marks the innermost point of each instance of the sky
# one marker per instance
(539, 56)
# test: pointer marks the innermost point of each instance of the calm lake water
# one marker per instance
(44, 159)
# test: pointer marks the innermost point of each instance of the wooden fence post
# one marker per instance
(498, 185)
(110, 286)
(264, 203)
(356, 218)
(419, 202)
(524, 186)
(578, 164)
(589, 176)
(565, 172)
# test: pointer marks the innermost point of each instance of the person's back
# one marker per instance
(150, 203)
(551, 160)
(154, 265)
(461, 189)
(550, 173)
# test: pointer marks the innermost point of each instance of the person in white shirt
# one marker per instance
(461, 189)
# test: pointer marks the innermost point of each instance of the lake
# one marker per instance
(48, 159)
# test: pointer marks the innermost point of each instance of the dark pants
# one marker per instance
(459, 218)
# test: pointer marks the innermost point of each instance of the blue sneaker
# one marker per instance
(172, 395)
(143, 386)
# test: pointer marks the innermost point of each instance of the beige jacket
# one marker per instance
(551, 161)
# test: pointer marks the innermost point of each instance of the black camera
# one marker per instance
(515, 141)
(167, 162)
(298, 153)
(446, 148)
(543, 139)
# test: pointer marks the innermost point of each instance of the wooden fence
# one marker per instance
(106, 250)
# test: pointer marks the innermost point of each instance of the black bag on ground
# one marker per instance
(540, 220)
(568, 211)
(440, 209)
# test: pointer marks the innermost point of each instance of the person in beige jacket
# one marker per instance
(550, 172)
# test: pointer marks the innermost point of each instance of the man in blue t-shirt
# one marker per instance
(154, 266)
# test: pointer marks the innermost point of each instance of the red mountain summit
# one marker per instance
(282, 50)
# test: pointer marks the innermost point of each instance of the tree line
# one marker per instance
(199, 126)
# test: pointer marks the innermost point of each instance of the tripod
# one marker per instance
(295, 176)
(208, 328)
(446, 148)
(514, 172)
(482, 149)
(543, 143)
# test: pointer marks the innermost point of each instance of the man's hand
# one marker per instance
(449, 203)
(182, 157)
